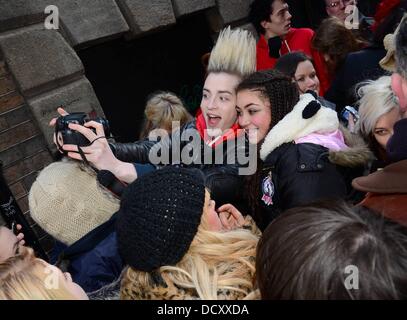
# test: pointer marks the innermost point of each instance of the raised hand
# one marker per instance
(230, 217)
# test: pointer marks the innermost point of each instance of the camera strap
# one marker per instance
(80, 151)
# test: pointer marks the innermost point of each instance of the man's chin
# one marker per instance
(213, 132)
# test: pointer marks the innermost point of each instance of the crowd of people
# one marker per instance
(323, 115)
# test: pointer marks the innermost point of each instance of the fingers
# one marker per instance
(233, 211)
(225, 207)
(98, 126)
(88, 133)
(61, 112)
(53, 122)
(75, 156)
(223, 217)
(20, 236)
(234, 217)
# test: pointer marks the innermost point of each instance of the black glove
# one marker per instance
(274, 47)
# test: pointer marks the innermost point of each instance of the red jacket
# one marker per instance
(297, 40)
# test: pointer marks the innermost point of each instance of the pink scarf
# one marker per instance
(334, 141)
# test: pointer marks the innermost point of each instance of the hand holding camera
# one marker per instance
(85, 139)
(69, 136)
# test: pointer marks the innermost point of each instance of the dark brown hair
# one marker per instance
(283, 95)
(335, 40)
(307, 252)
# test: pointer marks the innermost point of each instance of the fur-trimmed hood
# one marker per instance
(298, 124)
(307, 117)
(357, 154)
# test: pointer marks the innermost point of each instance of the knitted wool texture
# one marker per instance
(159, 216)
(68, 202)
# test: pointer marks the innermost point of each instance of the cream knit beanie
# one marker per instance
(67, 201)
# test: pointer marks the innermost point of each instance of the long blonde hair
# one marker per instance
(218, 265)
(23, 277)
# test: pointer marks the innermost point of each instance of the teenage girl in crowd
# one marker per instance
(305, 155)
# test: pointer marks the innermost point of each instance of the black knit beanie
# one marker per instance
(159, 216)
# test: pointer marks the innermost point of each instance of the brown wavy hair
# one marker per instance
(333, 39)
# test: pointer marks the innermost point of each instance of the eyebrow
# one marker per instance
(249, 105)
(221, 91)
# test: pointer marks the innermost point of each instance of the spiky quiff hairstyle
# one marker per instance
(234, 52)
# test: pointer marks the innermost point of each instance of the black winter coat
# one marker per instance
(301, 174)
(295, 174)
(221, 178)
(358, 66)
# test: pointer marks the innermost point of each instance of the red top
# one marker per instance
(297, 40)
(228, 134)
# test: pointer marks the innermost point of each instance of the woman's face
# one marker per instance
(306, 77)
(384, 126)
(219, 101)
(254, 114)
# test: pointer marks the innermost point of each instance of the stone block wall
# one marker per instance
(23, 149)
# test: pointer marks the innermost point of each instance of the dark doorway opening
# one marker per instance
(123, 73)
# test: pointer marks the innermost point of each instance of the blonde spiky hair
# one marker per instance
(234, 52)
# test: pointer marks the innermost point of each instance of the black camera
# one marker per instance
(74, 137)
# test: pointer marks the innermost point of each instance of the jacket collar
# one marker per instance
(228, 134)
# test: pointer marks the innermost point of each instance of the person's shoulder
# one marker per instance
(284, 153)
(303, 32)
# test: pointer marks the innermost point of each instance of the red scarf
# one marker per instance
(228, 134)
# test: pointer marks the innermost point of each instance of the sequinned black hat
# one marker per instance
(159, 216)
